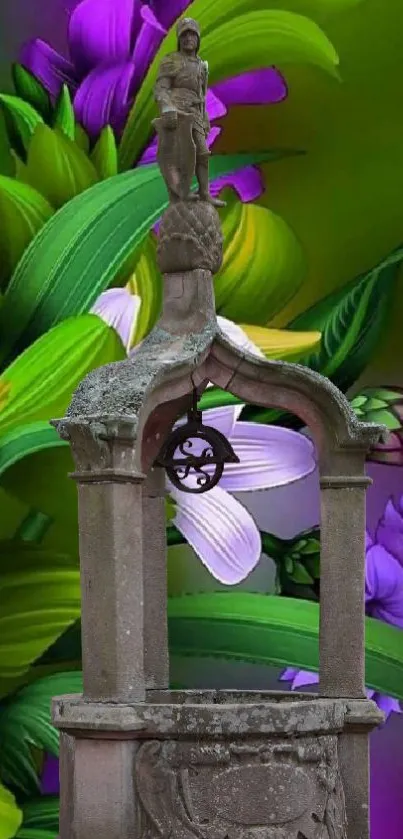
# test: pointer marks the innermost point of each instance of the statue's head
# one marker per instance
(188, 34)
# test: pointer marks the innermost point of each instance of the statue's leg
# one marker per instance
(202, 169)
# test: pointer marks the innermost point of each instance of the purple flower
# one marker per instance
(50, 775)
(111, 47)
(383, 591)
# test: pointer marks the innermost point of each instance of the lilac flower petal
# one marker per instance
(149, 154)
(384, 586)
(214, 106)
(119, 309)
(247, 182)
(389, 532)
(288, 674)
(220, 531)
(101, 32)
(256, 87)
(103, 98)
(213, 135)
(48, 66)
(148, 42)
(368, 541)
(387, 704)
(304, 678)
(168, 11)
(237, 336)
(270, 456)
(50, 776)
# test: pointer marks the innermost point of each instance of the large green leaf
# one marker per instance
(40, 597)
(351, 321)
(232, 43)
(39, 384)
(23, 211)
(276, 631)
(21, 121)
(85, 245)
(10, 814)
(105, 154)
(57, 167)
(263, 264)
(25, 723)
(148, 282)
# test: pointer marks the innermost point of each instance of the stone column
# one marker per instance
(156, 657)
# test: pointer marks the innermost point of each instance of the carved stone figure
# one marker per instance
(182, 128)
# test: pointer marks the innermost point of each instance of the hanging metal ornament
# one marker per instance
(195, 451)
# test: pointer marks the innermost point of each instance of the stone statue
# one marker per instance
(182, 128)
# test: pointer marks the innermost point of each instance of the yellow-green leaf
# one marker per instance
(10, 814)
(23, 211)
(63, 117)
(263, 264)
(282, 344)
(81, 138)
(232, 43)
(21, 121)
(148, 284)
(56, 167)
(105, 154)
(39, 384)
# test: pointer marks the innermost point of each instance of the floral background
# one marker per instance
(306, 144)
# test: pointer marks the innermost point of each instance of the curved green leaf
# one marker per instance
(105, 154)
(63, 117)
(21, 121)
(10, 814)
(232, 44)
(148, 281)
(41, 815)
(23, 211)
(27, 440)
(276, 631)
(351, 322)
(28, 88)
(263, 264)
(25, 723)
(39, 597)
(85, 245)
(39, 384)
(56, 167)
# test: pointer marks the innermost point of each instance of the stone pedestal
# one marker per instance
(206, 764)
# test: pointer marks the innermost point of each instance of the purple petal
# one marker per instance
(101, 32)
(214, 106)
(389, 532)
(168, 11)
(103, 98)
(50, 776)
(384, 586)
(119, 309)
(148, 42)
(220, 531)
(48, 66)
(257, 87)
(387, 704)
(368, 541)
(270, 456)
(304, 678)
(288, 675)
(247, 182)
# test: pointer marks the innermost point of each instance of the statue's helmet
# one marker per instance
(187, 24)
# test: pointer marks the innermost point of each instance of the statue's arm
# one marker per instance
(205, 85)
(163, 86)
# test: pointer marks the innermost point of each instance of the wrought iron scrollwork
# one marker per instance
(195, 451)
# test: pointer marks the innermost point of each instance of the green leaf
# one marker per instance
(10, 814)
(232, 43)
(276, 631)
(263, 264)
(40, 598)
(351, 321)
(56, 167)
(25, 723)
(21, 121)
(300, 574)
(379, 405)
(23, 211)
(41, 814)
(28, 88)
(56, 278)
(63, 117)
(105, 154)
(149, 288)
(214, 397)
(39, 384)
(81, 138)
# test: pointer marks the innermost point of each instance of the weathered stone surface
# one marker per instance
(190, 238)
